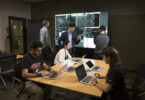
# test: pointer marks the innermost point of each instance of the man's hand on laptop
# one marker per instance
(45, 73)
(53, 71)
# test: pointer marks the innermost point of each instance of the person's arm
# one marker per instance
(25, 65)
(47, 68)
(77, 39)
(105, 88)
(60, 39)
(26, 74)
(97, 75)
(69, 56)
(41, 36)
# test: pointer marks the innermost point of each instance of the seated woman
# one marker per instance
(63, 53)
(115, 85)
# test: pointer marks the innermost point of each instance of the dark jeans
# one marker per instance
(48, 55)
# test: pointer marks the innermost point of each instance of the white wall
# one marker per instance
(16, 8)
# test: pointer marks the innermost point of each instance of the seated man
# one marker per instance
(31, 64)
(63, 53)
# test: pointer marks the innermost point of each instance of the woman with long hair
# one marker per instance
(115, 85)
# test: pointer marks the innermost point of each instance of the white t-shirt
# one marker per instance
(60, 56)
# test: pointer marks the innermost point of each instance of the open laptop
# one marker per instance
(82, 75)
(56, 75)
(70, 69)
(78, 60)
(92, 66)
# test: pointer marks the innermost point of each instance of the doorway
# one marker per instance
(17, 29)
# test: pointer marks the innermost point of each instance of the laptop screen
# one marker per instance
(80, 72)
(90, 64)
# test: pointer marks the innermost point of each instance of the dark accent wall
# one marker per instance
(126, 23)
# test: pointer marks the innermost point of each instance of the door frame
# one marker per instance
(23, 20)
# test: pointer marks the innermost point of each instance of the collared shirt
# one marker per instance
(45, 36)
(61, 56)
(70, 38)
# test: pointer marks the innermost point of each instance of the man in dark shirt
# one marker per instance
(71, 37)
(31, 64)
(101, 42)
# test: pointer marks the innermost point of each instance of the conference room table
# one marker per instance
(19, 56)
(69, 80)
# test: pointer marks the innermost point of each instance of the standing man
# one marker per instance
(71, 37)
(101, 42)
(46, 42)
(44, 34)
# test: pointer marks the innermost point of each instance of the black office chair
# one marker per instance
(141, 70)
(138, 84)
(7, 62)
(17, 78)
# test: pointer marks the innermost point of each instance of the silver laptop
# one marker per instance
(56, 75)
(78, 60)
(93, 67)
(82, 75)
(70, 69)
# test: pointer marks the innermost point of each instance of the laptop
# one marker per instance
(93, 67)
(78, 60)
(82, 75)
(70, 69)
(56, 75)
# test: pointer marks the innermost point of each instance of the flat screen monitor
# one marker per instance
(86, 23)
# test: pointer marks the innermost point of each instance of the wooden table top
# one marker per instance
(19, 56)
(69, 80)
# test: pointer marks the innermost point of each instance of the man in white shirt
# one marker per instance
(63, 53)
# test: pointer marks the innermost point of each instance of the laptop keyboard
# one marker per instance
(70, 69)
(96, 68)
(76, 60)
(87, 79)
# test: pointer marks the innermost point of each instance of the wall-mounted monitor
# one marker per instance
(86, 23)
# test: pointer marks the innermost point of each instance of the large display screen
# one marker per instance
(87, 25)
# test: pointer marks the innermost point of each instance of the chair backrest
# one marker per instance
(138, 82)
(141, 70)
(18, 70)
(7, 62)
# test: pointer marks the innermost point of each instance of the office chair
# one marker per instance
(6, 63)
(138, 84)
(141, 70)
(18, 80)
